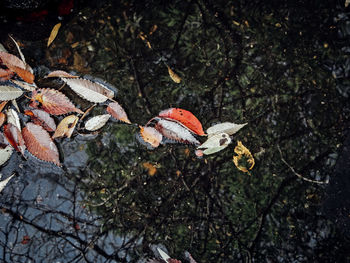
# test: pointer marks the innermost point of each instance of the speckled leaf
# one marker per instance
(215, 143)
(97, 122)
(226, 127)
(41, 118)
(117, 112)
(9, 92)
(40, 144)
(66, 127)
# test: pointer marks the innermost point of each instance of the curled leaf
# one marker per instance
(226, 127)
(14, 137)
(41, 118)
(173, 75)
(60, 74)
(53, 33)
(151, 135)
(215, 143)
(185, 117)
(66, 127)
(97, 122)
(117, 112)
(53, 102)
(243, 158)
(40, 144)
(9, 92)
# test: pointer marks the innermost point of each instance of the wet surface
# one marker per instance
(282, 68)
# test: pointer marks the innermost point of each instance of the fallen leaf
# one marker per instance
(2, 105)
(5, 74)
(66, 127)
(13, 118)
(226, 127)
(9, 59)
(5, 182)
(40, 144)
(243, 153)
(9, 92)
(215, 143)
(91, 91)
(2, 118)
(25, 240)
(151, 169)
(5, 154)
(347, 2)
(24, 74)
(24, 85)
(60, 74)
(97, 122)
(185, 117)
(53, 102)
(19, 50)
(151, 135)
(173, 75)
(117, 112)
(14, 137)
(41, 118)
(53, 33)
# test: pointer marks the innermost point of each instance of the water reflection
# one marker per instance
(238, 63)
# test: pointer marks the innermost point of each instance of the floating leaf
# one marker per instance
(4, 182)
(243, 152)
(53, 102)
(9, 92)
(53, 33)
(24, 85)
(5, 154)
(66, 127)
(151, 136)
(40, 144)
(185, 117)
(117, 112)
(215, 143)
(91, 91)
(175, 131)
(60, 74)
(42, 118)
(226, 127)
(14, 137)
(151, 169)
(12, 117)
(173, 75)
(97, 122)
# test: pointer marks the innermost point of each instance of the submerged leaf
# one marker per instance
(60, 74)
(243, 152)
(227, 127)
(9, 92)
(53, 33)
(215, 143)
(53, 102)
(185, 117)
(151, 136)
(97, 122)
(42, 118)
(66, 127)
(117, 112)
(40, 144)
(173, 75)
(5, 182)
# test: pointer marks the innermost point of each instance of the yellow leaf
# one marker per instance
(173, 75)
(66, 127)
(244, 157)
(53, 34)
(150, 168)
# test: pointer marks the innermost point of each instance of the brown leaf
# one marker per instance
(5, 74)
(24, 74)
(9, 59)
(53, 102)
(40, 144)
(151, 136)
(66, 127)
(53, 33)
(60, 74)
(41, 118)
(14, 137)
(173, 75)
(2, 118)
(117, 112)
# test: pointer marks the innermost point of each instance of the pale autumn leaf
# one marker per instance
(13, 118)
(97, 122)
(14, 103)
(185, 117)
(5, 154)
(9, 59)
(41, 118)
(117, 112)
(66, 127)
(91, 91)
(40, 144)
(151, 135)
(19, 50)
(226, 127)
(243, 158)
(53, 102)
(60, 74)
(9, 92)
(24, 85)
(53, 33)
(175, 131)
(3, 183)
(215, 143)
(14, 137)
(164, 255)
(173, 75)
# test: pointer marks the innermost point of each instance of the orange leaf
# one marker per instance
(14, 137)
(5, 74)
(40, 144)
(2, 118)
(244, 161)
(24, 74)
(150, 168)
(151, 136)
(42, 118)
(53, 33)
(185, 117)
(173, 75)
(66, 127)
(60, 74)
(53, 102)
(117, 112)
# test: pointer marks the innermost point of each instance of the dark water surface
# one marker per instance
(282, 67)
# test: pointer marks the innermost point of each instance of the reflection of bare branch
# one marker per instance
(297, 174)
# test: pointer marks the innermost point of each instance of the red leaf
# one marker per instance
(117, 112)
(25, 240)
(53, 102)
(40, 144)
(42, 118)
(14, 137)
(185, 117)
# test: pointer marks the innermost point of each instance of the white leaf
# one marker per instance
(9, 92)
(12, 117)
(5, 154)
(24, 85)
(226, 127)
(97, 122)
(215, 143)
(91, 91)
(164, 255)
(4, 182)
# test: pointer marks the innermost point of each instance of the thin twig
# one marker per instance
(297, 174)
